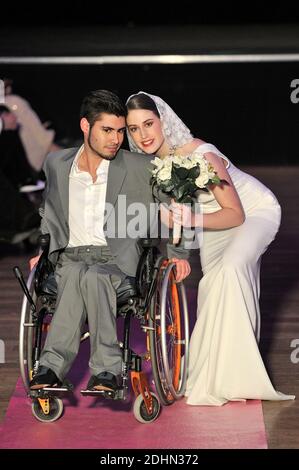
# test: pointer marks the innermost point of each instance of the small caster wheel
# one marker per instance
(55, 410)
(140, 411)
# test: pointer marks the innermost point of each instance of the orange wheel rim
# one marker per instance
(177, 333)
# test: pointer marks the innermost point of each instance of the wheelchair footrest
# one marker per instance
(112, 394)
(47, 392)
(66, 386)
(57, 389)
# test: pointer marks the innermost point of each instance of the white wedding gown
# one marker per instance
(225, 362)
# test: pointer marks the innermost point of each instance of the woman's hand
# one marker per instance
(166, 215)
(181, 214)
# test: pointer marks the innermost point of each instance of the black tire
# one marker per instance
(26, 334)
(55, 411)
(140, 411)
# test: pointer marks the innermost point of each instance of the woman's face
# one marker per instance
(146, 130)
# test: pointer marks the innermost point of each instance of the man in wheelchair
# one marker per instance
(88, 215)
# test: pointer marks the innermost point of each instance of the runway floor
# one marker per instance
(279, 306)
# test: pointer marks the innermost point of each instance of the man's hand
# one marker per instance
(183, 268)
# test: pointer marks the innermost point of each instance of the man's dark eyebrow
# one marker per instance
(112, 128)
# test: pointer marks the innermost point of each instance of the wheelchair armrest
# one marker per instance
(44, 269)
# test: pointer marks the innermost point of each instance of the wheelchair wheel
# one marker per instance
(169, 336)
(140, 411)
(55, 410)
(26, 333)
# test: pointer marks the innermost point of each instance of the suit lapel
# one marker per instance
(63, 180)
(116, 175)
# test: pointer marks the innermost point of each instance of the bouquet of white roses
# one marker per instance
(180, 177)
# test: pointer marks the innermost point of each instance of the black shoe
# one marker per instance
(104, 381)
(44, 377)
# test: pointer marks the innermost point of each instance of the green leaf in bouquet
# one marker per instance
(187, 199)
(184, 189)
(180, 172)
(192, 187)
(215, 180)
(167, 186)
(194, 172)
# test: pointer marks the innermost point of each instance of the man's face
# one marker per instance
(105, 137)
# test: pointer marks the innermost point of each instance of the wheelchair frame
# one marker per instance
(159, 304)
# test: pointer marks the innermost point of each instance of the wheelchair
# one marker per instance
(155, 299)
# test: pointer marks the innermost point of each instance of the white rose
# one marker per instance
(167, 163)
(188, 163)
(204, 167)
(197, 157)
(177, 160)
(202, 180)
(211, 174)
(165, 173)
(157, 162)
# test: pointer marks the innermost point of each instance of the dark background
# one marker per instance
(59, 13)
(243, 108)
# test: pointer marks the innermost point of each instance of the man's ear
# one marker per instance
(84, 125)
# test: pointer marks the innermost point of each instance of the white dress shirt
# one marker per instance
(87, 204)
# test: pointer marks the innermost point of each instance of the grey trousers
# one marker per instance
(87, 278)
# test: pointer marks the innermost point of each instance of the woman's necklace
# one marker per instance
(172, 150)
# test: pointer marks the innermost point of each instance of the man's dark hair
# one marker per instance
(142, 101)
(101, 101)
(4, 109)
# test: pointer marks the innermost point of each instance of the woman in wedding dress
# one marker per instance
(239, 221)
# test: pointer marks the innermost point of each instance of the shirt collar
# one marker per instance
(102, 169)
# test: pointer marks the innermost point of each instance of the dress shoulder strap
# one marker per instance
(205, 148)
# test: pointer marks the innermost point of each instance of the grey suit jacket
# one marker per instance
(129, 177)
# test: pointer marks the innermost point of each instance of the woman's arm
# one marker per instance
(231, 213)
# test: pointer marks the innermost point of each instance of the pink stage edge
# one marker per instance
(92, 423)
(95, 423)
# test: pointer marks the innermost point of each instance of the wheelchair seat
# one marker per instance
(48, 286)
(126, 290)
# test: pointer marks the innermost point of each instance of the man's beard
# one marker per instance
(105, 157)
